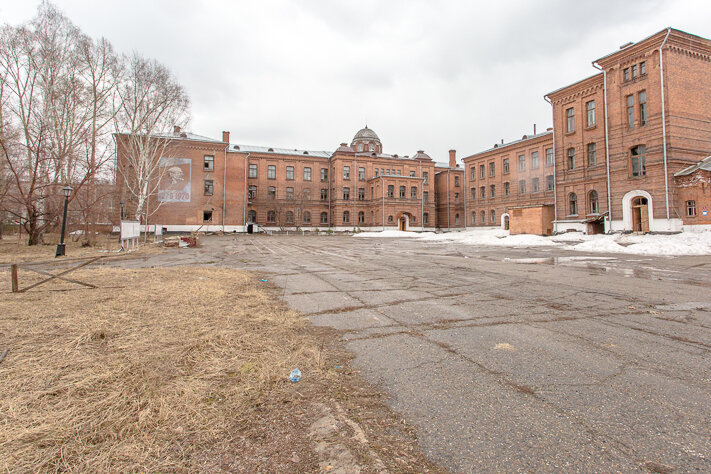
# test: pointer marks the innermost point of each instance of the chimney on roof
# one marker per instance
(452, 158)
(549, 129)
(534, 128)
(176, 129)
(502, 141)
(226, 137)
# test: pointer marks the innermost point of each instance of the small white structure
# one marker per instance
(130, 232)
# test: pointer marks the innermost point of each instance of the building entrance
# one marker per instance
(640, 215)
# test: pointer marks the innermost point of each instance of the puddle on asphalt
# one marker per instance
(556, 260)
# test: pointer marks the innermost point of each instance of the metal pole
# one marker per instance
(60, 247)
(664, 127)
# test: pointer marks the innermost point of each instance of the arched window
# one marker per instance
(372, 147)
(572, 204)
(493, 216)
(324, 218)
(473, 217)
(307, 217)
(361, 217)
(346, 216)
(252, 216)
(390, 219)
(425, 218)
(360, 147)
(271, 217)
(456, 219)
(592, 199)
(289, 217)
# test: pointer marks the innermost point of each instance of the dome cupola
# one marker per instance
(366, 140)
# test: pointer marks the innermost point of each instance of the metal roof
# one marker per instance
(503, 145)
(704, 164)
(187, 136)
(239, 148)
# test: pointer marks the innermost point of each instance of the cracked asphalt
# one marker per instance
(509, 359)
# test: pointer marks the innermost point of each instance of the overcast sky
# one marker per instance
(429, 75)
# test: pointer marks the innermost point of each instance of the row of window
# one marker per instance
(593, 206)
(482, 214)
(522, 162)
(306, 217)
(535, 188)
(271, 173)
(590, 116)
(631, 73)
(306, 193)
(640, 107)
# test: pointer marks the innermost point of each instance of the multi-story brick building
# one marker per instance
(622, 134)
(449, 194)
(618, 139)
(215, 185)
(507, 176)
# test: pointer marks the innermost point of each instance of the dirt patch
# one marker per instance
(184, 369)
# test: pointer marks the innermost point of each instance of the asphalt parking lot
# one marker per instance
(510, 359)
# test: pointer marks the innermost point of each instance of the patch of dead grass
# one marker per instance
(181, 369)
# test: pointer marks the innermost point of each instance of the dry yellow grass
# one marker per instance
(160, 374)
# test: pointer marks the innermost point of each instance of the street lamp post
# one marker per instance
(122, 206)
(60, 248)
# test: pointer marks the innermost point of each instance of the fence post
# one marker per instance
(13, 277)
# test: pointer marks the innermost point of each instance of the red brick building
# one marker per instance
(693, 185)
(212, 184)
(449, 194)
(618, 139)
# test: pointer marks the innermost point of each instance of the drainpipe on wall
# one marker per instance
(555, 177)
(449, 226)
(664, 125)
(224, 189)
(382, 185)
(607, 144)
(355, 189)
(328, 194)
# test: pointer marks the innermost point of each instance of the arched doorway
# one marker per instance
(505, 221)
(637, 211)
(403, 222)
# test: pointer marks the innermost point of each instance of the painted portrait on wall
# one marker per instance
(174, 185)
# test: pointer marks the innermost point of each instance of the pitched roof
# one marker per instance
(704, 164)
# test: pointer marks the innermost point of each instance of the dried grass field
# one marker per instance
(181, 369)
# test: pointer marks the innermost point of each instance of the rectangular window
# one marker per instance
(534, 160)
(346, 193)
(482, 172)
(307, 174)
(412, 174)
(324, 194)
(361, 174)
(550, 184)
(456, 181)
(522, 162)
(570, 118)
(483, 217)
(377, 172)
(522, 186)
(590, 108)
(324, 218)
(252, 170)
(691, 208)
(346, 172)
(592, 154)
(643, 68)
(507, 188)
(642, 97)
(492, 169)
(290, 193)
(550, 158)
(413, 192)
(209, 187)
(290, 173)
(630, 111)
(638, 161)
(207, 216)
(492, 191)
(272, 192)
(324, 174)
(252, 194)
(571, 158)
(493, 216)
(473, 191)
(535, 187)
(634, 71)
(626, 74)
(391, 191)
(402, 191)
(306, 194)
(456, 198)
(425, 218)
(208, 163)
(271, 172)
(346, 216)
(482, 192)
(361, 194)
(372, 193)
(472, 175)
(506, 166)
(398, 172)
(426, 197)
(426, 176)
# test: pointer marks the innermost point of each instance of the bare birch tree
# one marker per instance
(152, 103)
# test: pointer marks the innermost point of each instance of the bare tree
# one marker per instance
(152, 103)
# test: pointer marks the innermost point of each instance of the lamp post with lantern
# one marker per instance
(60, 248)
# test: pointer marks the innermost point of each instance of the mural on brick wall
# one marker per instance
(174, 185)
